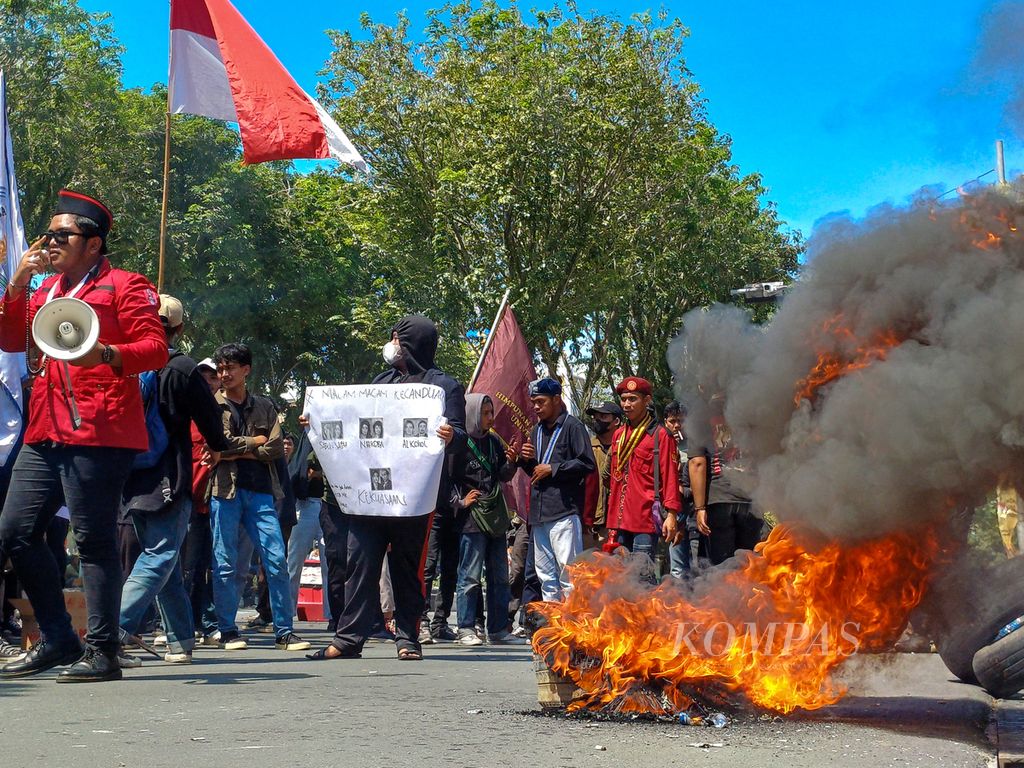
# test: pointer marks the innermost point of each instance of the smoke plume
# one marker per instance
(923, 310)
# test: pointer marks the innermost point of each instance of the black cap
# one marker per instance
(78, 204)
(608, 407)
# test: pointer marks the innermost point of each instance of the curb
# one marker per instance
(1009, 732)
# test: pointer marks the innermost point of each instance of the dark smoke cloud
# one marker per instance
(933, 426)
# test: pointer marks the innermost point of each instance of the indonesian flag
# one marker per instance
(220, 68)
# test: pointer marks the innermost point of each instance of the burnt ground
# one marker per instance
(460, 707)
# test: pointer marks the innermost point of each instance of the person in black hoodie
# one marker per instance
(410, 353)
(159, 498)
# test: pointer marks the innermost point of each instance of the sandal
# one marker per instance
(321, 655)
(409, 654)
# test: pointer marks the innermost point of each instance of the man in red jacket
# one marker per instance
(637, 515)
(88, 462)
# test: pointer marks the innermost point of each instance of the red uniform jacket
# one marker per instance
(200, 473)
(631, 496)
(109, 401)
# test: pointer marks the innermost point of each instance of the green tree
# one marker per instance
(568, 159)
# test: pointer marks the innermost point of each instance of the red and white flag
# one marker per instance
(220, 68)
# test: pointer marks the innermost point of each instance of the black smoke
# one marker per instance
(930, 429)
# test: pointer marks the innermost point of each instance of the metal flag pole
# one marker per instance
(490, 337)
(163, 205)
(167, 173)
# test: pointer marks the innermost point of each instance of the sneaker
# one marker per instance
(160, 641)
(127, 661)
(443, 634)
(211, 640)
(468, 637)
(425, 637)
(184, 657)
(261, 625)
(9, 651)
(232, 641)
(506, 638)
(291, 642)
(519, 631)
(481, 632)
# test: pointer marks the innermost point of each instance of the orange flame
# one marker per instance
(832, 365)
(771, 631)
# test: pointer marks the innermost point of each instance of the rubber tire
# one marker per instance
(970, 603)
(999, 667)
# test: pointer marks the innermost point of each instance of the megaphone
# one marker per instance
(65, 329)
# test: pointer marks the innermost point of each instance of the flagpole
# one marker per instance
(166, 195)
(490, 337)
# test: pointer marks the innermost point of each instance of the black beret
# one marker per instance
(78, 204)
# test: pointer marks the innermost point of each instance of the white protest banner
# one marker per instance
(378, 445)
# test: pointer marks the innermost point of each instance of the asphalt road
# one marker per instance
(459, 707)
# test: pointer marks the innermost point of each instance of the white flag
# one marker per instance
(12, 245)
(378, 446)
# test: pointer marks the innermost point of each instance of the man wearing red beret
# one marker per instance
(643, 499)
(85, 426)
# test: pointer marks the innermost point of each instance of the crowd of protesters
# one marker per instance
(173, 476)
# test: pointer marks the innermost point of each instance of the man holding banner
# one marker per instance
(380, 481)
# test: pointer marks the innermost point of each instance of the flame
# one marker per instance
(831, 364)
(771, 631)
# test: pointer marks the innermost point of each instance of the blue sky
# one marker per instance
(840, 106)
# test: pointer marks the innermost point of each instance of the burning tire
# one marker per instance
(999, 667)
(968, 606)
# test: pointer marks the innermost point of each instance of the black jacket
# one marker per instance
(184, 397)
(572, 459)
(418, 337)
(470, 474)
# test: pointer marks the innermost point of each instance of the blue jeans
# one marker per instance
(256, 513)
(305, 535)
(477, 551)
(641, 544)
(157, 574)
(679, 556)
(638, 543)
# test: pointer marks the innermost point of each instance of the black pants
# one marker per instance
(733, 527)
(196, 557)
(442, 560)
(368, 541)
(92, 479)
(522, 574)
(334, 524)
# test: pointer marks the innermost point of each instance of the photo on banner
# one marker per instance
(390, 465)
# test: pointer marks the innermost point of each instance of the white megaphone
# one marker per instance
(66, 329)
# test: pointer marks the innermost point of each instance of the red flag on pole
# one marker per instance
(220, 68)
(505, 373)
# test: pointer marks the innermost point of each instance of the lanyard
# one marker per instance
(74, 291)
(488, 465)
(551, 444)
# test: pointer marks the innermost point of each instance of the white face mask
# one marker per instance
(392, 353)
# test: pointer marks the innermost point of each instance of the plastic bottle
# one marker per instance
(685, 718)
(718, 720)
(1011, 627)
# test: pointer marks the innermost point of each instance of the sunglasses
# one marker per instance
(61, 236)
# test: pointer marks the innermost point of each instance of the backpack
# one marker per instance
(156, 430)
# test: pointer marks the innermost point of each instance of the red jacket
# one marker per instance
(200, 473)
(631, 496)
(109, 401)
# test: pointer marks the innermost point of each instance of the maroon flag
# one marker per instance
(505, 372)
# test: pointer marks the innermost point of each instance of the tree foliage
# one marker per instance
(567, 158)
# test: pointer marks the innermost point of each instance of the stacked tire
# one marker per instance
(967, 607)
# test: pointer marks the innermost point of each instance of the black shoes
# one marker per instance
(93, 667)
(41, 657)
